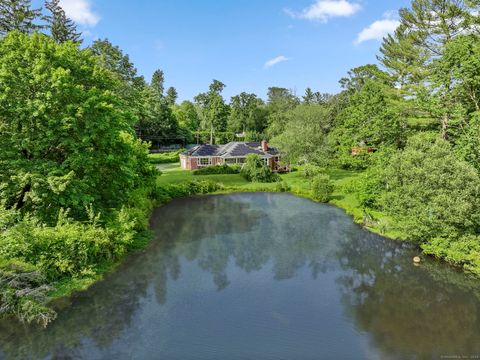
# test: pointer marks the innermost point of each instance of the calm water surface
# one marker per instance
(262, 276)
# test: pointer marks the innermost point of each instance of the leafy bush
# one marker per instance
(309, 171)
(463, 251)
(165, 158)
(322, 188)
(218, 169)
(70, 248)
(23, 293)
(172, 191)
(282, 186)
(255, 170)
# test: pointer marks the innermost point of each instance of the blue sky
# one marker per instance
(309, 43)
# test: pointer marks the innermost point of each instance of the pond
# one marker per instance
(262, 276)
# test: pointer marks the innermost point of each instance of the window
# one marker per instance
(204, 161)
(241, 160)
(230, 161)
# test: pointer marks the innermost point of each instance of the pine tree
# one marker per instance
(61, 27)
(158, 81)
(172, 96)
(18, 15)
(432, 23)
(309, 96)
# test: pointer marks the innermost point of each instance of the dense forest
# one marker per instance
(76, 123)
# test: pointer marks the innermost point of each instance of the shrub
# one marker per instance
(70, 248)
(23, 293)
(255, 170)
(282, 186)
(218, 170)
(322, 188)
(309, 171)
(165, 158)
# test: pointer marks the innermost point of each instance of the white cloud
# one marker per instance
(323, 10)
(275, 61)
(80, 11)
(377, 30)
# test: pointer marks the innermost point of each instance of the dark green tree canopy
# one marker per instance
(65, 136)
(61, 27)
(18, 15)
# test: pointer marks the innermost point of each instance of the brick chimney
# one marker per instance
(264, 145)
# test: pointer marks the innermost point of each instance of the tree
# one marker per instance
(247, 114)
(280, 100)
(309, 96)
(372, 116)
(305, 138)
(213, 111)
(430, 192)
(65, 135)
(433, 23)
(158, 82)
(132, 85)
(61, 27)
(172, 96)
(18, 15)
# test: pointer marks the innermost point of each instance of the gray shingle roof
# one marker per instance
(232, 149)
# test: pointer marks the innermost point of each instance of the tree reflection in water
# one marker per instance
(405, 311)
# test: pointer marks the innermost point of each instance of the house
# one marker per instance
(232, 153)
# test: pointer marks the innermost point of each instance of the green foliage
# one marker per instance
(61, 27)
(283, 186)
(18, 15)
(431, 192)
(247, 113)
(255, 170)
(165, 158)
(178, 190)
(218, 169)
(309, 171)
(463, 251)
(23, 293)
(322, 188)
(69, 248)
(67, 144)
(305, 135)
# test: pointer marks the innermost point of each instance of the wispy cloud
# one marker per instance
(275, 61)
(80, 11)
(378, 29)
(324, 10)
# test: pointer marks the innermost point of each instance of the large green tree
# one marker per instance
(65, 135)
(305, 138)
(247, 114)
(213, 110)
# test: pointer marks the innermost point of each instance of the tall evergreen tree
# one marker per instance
(18, 15)
(309, 96)
(172, 96)
(158, 82)
(61, 27)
